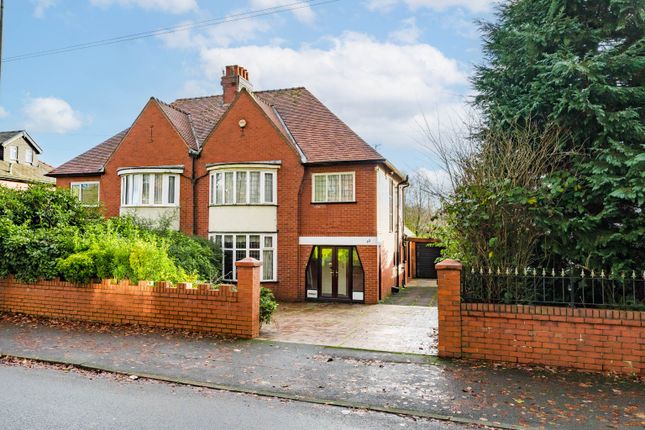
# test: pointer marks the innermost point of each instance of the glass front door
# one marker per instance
(335, 282)
(334, 272)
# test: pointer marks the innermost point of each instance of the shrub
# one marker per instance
(30, 254)
(79, 268)
(268, 305)
(46, 233)
(196, 255)
(149, 260)
(44, 207)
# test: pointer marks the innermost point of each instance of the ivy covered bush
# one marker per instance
(47, 233)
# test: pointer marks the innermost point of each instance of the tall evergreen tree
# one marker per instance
(578, 64)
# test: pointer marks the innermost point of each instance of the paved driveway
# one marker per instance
(394, 328)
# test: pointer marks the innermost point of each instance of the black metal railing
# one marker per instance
(564, 287)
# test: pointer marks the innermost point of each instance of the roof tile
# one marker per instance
(321, 136)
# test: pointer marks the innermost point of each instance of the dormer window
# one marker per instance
(13, 153)
(29, 156)
(243, 185)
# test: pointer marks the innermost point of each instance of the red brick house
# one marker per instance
(273, 175)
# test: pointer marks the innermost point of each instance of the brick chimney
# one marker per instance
(233, 80)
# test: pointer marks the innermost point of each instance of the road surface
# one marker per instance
(48, 397)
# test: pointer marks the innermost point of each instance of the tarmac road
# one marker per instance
(49, 397)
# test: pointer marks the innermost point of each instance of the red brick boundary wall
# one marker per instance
(586, 339)
(222, 311)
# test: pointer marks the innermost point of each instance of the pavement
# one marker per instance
(410, 329)
(458, 391)
(417, 292)
(31, 399)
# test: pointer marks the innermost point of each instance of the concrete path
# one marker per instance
(398, 383)
(410, 329)
(418, 292)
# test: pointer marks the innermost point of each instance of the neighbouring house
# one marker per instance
(20, 165)
(272, 175)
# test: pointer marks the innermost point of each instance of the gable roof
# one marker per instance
(6, 136)
(182, 122)
(319, 135)
(90, 162)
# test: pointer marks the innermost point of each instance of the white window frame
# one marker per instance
(219, 200)
(80, 184)
(13, 153)
(136, 181)
(234, 249)
(340, 191)
(29, 156)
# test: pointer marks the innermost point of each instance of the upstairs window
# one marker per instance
(334, 187)
(86, 192)
(150, 189)
(29, 156)
(13, 153)
(243, 187)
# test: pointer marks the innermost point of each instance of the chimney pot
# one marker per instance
(231, 82)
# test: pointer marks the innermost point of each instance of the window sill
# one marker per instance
(150, 206)
(241, 205)
(349, 202)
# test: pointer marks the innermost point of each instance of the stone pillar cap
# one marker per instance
(449, 265)
(248, 262)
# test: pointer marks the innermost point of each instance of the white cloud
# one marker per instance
(438, 179)
(50, 114)
(3, 112)
(303, 12)
(472, 5)
(220, 35)
(409, 33)
(170, 6)
(378, 88)
(40, 6)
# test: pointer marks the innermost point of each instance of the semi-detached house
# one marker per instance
(272, 175)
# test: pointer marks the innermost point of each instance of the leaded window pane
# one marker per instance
(228, 188)
(219, 188)
(254, 241)
(158, 199)
(240, 241)
(240, 197)
(268, 188)
(254, 187)
(347, 187)
(267, 265)
(333, 191)
(145, 191)
(320, 188)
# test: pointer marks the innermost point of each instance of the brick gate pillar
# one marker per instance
(449, 308)
(248, 293)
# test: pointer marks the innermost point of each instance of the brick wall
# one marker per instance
(585, 339)
(259, 140)
(225, 312)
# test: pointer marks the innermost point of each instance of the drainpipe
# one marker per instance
(194, 155)
(399, 234)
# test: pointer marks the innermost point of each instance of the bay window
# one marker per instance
(333, 187)
(149, 189)
(237, 246)
(242, 187)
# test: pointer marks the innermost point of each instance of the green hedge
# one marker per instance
(46, 233)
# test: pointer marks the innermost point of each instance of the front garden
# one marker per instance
(48, 234)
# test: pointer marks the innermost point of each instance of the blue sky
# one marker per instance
(381, 65)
